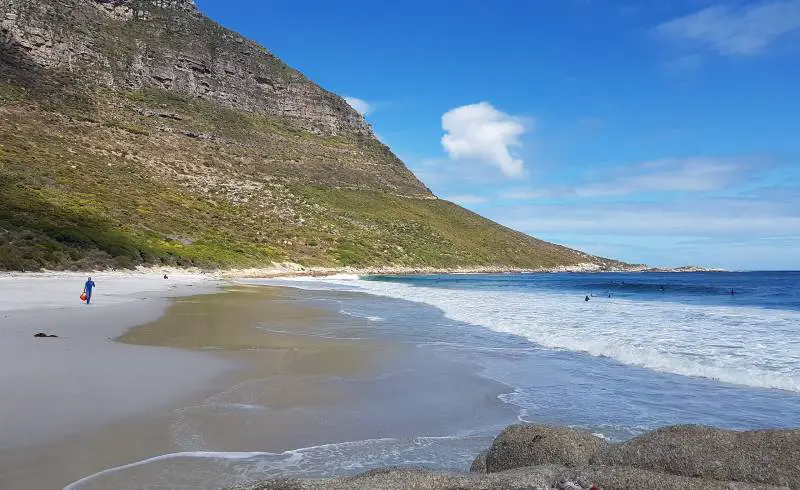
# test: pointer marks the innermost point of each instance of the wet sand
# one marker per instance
(281, 371)
(226, 324)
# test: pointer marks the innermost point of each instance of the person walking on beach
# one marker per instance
(87, 288)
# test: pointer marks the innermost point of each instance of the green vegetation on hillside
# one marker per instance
(116, 188)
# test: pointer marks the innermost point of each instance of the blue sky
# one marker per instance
(661, 132)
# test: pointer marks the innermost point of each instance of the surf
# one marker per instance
(740, 345)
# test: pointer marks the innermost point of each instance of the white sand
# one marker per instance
(54, 387)
(62, 289)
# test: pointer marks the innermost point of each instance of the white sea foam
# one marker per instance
(372, 318)
(194, 454)
(740, 345)
(223, 468)
(332, 278)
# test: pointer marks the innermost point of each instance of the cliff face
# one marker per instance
(140, 131)
(73, 49)
(167, 44)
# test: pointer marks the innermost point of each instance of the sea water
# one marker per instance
(646, 350)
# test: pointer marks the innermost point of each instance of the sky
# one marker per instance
(664, 132)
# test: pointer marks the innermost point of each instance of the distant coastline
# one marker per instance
(293, 270)
(290, 269)
(685, 268)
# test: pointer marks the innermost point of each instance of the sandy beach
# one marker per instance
(147, 371)
(57, 388)
(54, 387)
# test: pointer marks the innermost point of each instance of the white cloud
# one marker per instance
(466, 199)
(750, 231)
(479, 132)
(683, 65)
(526, 194)
(742, 218)
(732, 254)
(693, 174)
(746, 31)
(361, 106)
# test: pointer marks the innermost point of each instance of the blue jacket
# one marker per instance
(89, 285)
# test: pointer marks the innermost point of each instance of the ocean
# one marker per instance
(646, 350)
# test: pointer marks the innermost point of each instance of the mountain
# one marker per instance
(142, 132)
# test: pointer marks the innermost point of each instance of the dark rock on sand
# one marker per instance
(764, 456)
(531, 444)
(41, 335)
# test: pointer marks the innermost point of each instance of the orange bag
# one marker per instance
(83, 296)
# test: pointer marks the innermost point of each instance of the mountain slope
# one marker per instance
(140, 131)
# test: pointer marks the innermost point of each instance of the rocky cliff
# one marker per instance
(140, 131)
(135, 44)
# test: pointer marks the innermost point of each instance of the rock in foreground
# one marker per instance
(529, 478)
(764, 456)
(531, 445)
(533, 457)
